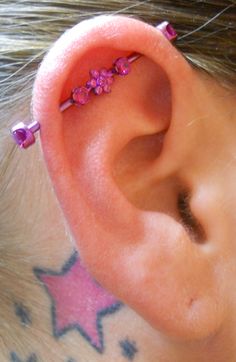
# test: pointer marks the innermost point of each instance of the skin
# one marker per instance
(117, 167)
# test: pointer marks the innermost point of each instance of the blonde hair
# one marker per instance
(207, 38)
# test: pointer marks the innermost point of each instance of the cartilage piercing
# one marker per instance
(100, 82)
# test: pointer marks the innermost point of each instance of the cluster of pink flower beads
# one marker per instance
(100, 81)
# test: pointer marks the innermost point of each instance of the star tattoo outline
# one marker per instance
(60, 332)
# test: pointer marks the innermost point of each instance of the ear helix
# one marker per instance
(100, 82)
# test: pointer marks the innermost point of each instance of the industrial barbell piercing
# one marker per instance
(100, 82)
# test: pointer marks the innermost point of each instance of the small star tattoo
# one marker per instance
(14, 358)
(129, 349)
(23, 313)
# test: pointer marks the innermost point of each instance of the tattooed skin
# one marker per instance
(129, 349)
(14, 358)
(78, 302)
(23, 313)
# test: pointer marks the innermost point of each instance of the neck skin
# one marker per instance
(46, 247)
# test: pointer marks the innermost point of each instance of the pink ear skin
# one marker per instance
(145, 258)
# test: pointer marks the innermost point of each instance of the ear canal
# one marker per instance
(143, 256)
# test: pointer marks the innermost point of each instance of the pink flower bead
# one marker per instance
(100, 81)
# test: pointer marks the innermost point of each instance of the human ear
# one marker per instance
(117, 165)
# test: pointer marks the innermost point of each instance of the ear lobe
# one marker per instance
(140, 256)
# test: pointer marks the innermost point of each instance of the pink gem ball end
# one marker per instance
(23, 135)
(167, 29)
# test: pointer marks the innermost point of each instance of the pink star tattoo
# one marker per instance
(77, 301)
